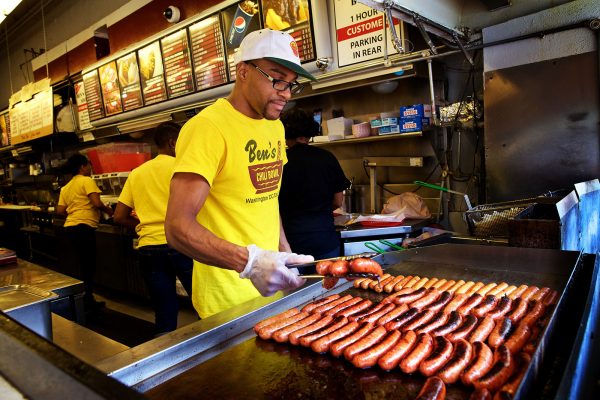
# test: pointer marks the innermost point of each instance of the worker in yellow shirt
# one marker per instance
(223, 210)
(147, 192)
(80, 203)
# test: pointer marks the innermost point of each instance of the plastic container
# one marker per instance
(118, 157)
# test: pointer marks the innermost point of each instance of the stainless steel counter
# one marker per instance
(69, 290)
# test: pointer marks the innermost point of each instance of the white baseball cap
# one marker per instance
(276, 46)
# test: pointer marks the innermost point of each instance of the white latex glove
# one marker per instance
(268, 272)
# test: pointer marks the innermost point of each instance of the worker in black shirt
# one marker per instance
(312, 187)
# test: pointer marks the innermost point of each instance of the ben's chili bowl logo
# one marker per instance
(265, 173)
(294, 47)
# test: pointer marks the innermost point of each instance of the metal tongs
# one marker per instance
(306, 270)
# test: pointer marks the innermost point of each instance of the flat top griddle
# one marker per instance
(265, 369)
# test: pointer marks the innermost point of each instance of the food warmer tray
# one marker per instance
(229, 361)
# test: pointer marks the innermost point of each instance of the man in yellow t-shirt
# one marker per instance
(147, 192)
(223, 210)
(80, 203)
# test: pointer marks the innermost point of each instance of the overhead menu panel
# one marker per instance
(238, 20)
(151, 73)
(178, 68)
(111, 93)
(91, 84)
(83, 116)
(129, 81)
(208, 53)
(5, 129)
(32, 118)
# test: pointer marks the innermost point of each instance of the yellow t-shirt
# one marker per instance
(242, 159)
(147, 192)
(74, 195)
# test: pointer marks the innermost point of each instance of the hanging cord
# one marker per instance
(45, 44)
(8, 56)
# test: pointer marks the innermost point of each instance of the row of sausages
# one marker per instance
(433, 342)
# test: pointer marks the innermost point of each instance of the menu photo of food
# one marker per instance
(110, 88)
(129, 79)
(4, 127)
(283, 14)
(152, 73)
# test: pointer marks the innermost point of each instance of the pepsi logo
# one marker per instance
(239, 24)
(294, 47)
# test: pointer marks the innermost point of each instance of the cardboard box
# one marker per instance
(339, 126)
(377, 123)
(413, 124)
(388, 129)
(416, 111)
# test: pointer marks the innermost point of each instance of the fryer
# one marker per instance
(221, 357)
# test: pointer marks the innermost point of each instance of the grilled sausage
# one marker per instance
(390, 359)
(442, 350)
(441, 302)
(439, 284)
(479, 365)
(475, 288)
(358, 282)
(496, 291)
(365, 266)
(551, 298)
(463, 330)
(410, 297)
(502, 308)
(522, 361)
(322, 344)
(438, 320)
(281, 335)
(456, 286)
(500, 332)
(422, 349)
(457, 301)
(402, 320)
(410, 283)
(473, 301)
(356, 308)
(395, 313)
(541, 294)
(518, 338)
(422, 318)
(487, 288)
(420, 283)
(294, 337)
(328, 306)
(323, 267)
(509, 290)
(465, 288)
(338, 347)
(339, 268)
(461, 355)
(311, 306)
(364, 342)
(482, 330)
(447, 285)
(430, 283)
(367, 358)
(536, 312)
(433, 389)
(453, 322)
(366, 283)
(373, 317)
(267, 331)
(431, 296)
(518, 310)
(378, 287)
(391, 297)
(389, 286)
(487, 305)
(533, 341)
(329, 282)
(306, 340)
(367, 311)
(268, 321)
(518, 292)
(375, 282)
(530, 292)
(402, 283)
(342, 306)
(499, 373)
(481, 394)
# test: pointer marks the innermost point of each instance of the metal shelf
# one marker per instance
(371, 138)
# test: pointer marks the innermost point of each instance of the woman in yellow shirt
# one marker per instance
(80, 203)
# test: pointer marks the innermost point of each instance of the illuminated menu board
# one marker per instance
(278, 17)
(178, 69)
(111, 93)
(82, 108)
(151, 74)
(129, 80)
(238, 20)
(208, 53)
(91, 85)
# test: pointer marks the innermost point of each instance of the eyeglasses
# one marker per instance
(279, 84)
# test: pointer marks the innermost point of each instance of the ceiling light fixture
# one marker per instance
(7, 7)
